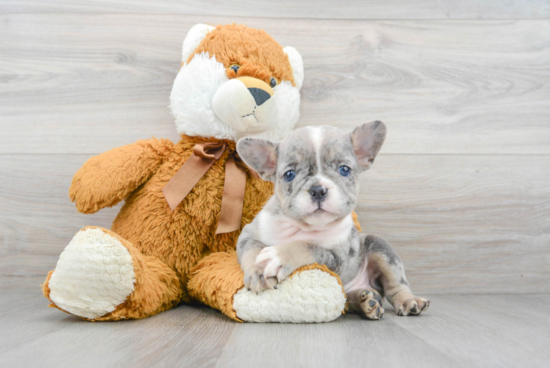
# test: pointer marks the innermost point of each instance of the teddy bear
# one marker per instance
(174, 238)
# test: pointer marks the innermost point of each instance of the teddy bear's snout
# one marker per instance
(260, 96)
(246, 104)
(259, 90)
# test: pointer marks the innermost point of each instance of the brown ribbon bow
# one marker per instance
(203, 157)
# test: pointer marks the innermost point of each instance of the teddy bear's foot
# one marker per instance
(94, 275)
(100, 276)
(309, 295)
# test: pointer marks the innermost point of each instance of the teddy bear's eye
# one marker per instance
(273, 82)
(235, 67)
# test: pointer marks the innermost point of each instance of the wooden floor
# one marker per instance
(458, 331)
(460, 188)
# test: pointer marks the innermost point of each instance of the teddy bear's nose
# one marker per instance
(260, 96)
(259, 89)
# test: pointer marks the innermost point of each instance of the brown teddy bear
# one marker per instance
(186, 202)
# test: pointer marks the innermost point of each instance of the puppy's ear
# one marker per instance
(367, 140)
(260, 155)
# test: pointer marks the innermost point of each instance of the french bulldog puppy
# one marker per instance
(308, 219)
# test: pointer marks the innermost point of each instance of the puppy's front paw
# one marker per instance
(272, 261)
(256, 281)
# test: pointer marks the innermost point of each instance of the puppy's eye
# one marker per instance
(289, 175)
(235, 67)
(273, 82)
(344, 170)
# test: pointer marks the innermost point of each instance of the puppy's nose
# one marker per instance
(318, 193)
(257, 88)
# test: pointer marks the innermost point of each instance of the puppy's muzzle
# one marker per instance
(318, 193)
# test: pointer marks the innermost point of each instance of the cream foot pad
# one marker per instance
(307, 296)
(93, 276)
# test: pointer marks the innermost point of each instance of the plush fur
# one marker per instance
(218, 281)
(154, 258)
(256, 51)
(94, 267)
(176, 240)
(206, 71)
(156, 287)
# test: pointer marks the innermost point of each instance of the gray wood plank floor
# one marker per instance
(460, 188)
(457, 331)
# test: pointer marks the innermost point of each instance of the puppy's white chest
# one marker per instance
(275, 230)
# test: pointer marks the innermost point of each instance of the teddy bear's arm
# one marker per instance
(110, 177)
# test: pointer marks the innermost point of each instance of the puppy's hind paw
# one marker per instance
(413, 306)
(371, 304)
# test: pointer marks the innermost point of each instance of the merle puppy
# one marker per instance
(308, 219)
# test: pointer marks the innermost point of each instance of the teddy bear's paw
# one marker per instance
(307, 296)
(94, 274)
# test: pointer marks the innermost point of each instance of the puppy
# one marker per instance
(308, 219)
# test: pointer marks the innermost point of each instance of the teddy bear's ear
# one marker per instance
(297, 65)
(194, 37)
